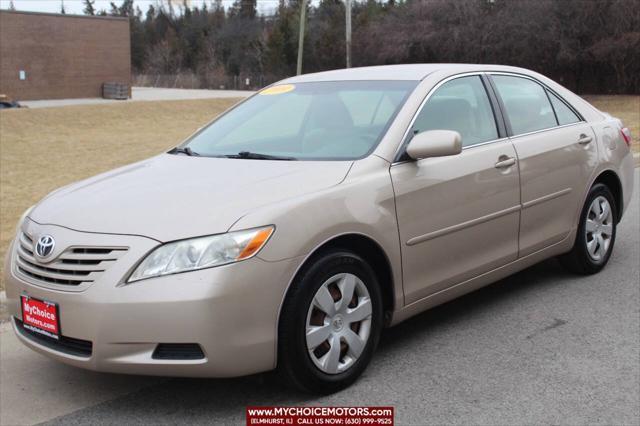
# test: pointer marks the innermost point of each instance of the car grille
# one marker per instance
(74, 266)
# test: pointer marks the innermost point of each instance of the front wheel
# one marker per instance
(596, 233)
(330, 323)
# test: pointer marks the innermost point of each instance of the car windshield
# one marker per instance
(337, 120)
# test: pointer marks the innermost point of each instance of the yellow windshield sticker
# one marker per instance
(278, 90)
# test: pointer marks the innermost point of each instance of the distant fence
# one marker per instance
(204, 81)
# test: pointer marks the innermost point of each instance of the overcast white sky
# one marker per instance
(75, 6)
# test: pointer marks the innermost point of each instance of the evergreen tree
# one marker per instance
(138, 41)
(245, 9)
(115, 10)
(88, 7)
(125, 9)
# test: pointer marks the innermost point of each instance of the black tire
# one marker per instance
(578, 260)
(295, 365)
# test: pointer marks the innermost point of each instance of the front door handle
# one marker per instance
(505, 162)
(584, 139)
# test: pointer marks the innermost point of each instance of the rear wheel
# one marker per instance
(596, 233)
(330, 323)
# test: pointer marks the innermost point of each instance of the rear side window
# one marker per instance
(461, 105)
(526, 104)
(563, 112)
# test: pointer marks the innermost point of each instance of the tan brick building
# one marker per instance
(52, 56)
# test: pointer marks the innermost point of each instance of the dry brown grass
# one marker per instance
(43, 149)
(624, 107)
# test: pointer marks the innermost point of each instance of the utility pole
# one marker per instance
(303, 18)
(348, 30)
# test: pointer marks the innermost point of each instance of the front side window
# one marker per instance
(461, 105)
(526, 104)
(563, 112)
(337, 120)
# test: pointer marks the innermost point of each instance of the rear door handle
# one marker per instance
(505, 162)
(584, 139)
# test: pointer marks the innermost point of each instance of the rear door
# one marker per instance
(458, 216)
(557, 152)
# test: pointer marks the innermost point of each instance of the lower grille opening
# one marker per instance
(67, 345)
(178, 351)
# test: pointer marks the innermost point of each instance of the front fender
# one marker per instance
(362, 204)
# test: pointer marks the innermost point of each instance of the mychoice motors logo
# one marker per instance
(35, 311)
(45, 246)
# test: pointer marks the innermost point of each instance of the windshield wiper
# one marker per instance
(246, 155)
(186, 150)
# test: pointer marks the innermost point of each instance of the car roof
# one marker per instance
(410, 72)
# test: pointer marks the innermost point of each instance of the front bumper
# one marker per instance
(230, 311)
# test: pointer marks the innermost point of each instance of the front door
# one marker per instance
(458, 216)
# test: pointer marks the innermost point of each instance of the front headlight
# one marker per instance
(201, 252)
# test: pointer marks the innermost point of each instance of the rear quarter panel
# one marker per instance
(614, 155)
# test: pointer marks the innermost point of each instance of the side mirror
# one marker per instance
(435, 143)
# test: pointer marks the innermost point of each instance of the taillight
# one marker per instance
(626, 135)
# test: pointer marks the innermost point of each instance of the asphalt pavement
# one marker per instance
(144, 94)
(540, 347)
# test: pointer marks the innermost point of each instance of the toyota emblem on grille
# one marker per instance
(45, 245)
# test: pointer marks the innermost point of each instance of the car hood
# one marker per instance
(170, 197)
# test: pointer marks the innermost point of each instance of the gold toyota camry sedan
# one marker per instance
(288, 232)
